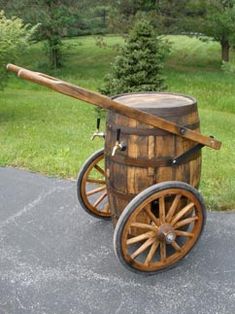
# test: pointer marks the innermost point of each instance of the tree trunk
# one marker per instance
(225, 50)
(55, 53)
(104, 18)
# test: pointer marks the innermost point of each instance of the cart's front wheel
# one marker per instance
(91, 187)
(159, 227)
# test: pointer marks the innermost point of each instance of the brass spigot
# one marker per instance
(97, 133)
(118, 145)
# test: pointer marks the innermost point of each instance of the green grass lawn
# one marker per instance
(50, 133)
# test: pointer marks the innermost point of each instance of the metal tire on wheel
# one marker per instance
(150, 235)
(91, 187)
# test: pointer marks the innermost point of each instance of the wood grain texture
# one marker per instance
(146, 159)
(109, 104)
(151, 249)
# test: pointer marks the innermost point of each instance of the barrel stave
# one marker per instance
(146, 160)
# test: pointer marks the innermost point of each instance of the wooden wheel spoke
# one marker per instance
(188, 208)
(184, 233)
(159, 227)
(162, 209)
(97, 190)
(106, 208)
(99, 169)
(176, 246)
(186, 221)
(151, 215)
(143, 226)
(140, 237)
(173, 207)
(100, 199)
(162, 250)
(142, 248)
(97, 181)
(151, 253)
(92, 188)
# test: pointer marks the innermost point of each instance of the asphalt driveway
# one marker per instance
(55, 258)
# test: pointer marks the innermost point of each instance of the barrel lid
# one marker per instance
(155, 100)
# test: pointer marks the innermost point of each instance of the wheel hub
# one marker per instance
(166, 233)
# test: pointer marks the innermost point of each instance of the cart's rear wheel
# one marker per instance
(150, 234)
(91, 187)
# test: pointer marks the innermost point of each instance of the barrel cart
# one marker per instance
(146, 177)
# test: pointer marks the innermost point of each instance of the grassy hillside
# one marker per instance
(50, 133)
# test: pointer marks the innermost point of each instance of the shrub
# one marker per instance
(14, 39)
(140, 64)
(228, 67)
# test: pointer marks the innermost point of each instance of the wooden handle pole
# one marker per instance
(13, 68)
(109, 104)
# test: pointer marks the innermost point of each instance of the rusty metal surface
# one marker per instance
(54, 258)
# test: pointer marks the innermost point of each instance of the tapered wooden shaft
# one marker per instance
(107, 103)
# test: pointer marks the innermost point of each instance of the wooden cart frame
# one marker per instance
(140, 246)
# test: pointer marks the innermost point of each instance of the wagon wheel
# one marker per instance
(91, 187)
(150, 234)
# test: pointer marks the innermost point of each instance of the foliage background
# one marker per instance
(50, 133)
(14, 40)
(46, 132)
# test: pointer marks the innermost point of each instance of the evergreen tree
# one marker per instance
(140, 64)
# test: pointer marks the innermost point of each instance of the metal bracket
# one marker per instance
(186, 155)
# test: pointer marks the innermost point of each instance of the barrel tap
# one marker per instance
(118, 145)
(97, 133)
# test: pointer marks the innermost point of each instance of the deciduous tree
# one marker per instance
(54, 18)
(220, 23)
(14, 39)
(212, 18)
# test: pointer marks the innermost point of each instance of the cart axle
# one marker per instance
(166, 233)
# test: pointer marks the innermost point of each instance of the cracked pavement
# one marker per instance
(55, 258)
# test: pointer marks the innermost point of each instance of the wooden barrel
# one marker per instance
(149, 150)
